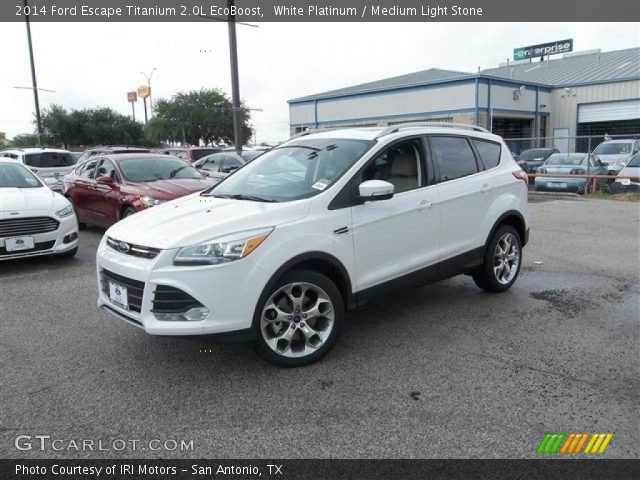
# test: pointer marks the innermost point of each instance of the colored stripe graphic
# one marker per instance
(598, 443)
(572, 443)
(551, 442)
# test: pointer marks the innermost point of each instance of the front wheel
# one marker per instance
(299, 319)
(502, 261)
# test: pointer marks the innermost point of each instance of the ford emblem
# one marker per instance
(123, 247)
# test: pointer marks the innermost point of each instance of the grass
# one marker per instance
(620, 197)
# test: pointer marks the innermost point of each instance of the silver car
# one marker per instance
(631, 170)
(617, 153)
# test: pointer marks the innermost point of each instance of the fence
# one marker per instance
(580, 163)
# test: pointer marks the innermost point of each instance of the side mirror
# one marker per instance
(105, 179)
(374, 190)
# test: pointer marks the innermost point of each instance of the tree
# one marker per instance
(98, 126)
(25, 140)
(194, 117)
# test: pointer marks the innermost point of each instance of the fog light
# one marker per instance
(70, 238)
(196, 314)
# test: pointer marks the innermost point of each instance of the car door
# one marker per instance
(105, 202)
(398, 236)
(465, 193)
(81, 190)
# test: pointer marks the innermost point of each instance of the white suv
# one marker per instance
(50, 164)
(280, 250)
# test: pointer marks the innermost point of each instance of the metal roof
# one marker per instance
(410, 79)
(572, 70)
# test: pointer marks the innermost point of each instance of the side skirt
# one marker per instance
(464, 263)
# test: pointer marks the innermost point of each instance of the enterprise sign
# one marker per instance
(552, 48)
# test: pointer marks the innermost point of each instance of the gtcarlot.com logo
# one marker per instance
(48, 443)
(573, 443)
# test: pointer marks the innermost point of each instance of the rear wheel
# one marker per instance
(82, 226)
(502, 261)
(299, 319)
(128, 212)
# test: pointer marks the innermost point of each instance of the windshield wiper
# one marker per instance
(239, 196)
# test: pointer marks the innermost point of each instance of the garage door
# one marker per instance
(609, 111)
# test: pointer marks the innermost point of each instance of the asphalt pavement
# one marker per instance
(443, 371)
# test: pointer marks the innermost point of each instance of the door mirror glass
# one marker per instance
(373, 190)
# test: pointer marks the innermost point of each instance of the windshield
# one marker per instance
(613, 149)
(635, 161)
(14, 175)
(250, 155)
(150, 169)
(300, 169)
(533, 154)
(565, 159)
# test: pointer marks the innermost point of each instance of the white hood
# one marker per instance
(26, 199)
(193, 219)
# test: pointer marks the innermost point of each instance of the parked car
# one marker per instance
(109, 150)
(617, 153)
(34, 220)
(50, 164)
(108, 188)
(220, 165)
(569, 164)
(628, 184)
(277, 258)
(191, 154)
(529, 160)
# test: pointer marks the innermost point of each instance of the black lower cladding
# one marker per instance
(464, 263)
(172, 300)
(135, 288)
(38, 247)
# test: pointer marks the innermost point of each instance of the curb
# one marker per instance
(546, 196)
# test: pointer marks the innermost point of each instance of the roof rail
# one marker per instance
(401, 126)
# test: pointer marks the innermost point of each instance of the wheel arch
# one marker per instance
(514, 219)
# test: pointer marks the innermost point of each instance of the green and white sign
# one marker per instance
(551, 48)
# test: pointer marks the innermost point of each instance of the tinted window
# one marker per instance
(49, 159)
(15, 175)
(454, 156)
(88, 169)
(203, 152)
(400, 165)
(106, 169)
(489, 153)
(149, 169)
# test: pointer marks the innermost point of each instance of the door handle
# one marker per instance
(424, 204)
(486, 188)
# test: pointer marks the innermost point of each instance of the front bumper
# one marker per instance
(50, 243)
(229, 291)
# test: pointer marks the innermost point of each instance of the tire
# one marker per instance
(505, 249)
(298, 339)
(69, 254)
(127, 212)
(82, 226)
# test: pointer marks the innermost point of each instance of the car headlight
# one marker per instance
(222, 249)
(150, 201)
(65, 212)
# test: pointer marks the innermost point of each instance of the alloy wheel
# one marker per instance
(506, 259)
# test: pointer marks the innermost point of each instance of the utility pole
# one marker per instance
(33, 75)
(235, 84)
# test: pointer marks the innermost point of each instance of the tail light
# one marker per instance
(520, 175)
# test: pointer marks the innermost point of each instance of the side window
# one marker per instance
(489, 153)
(230, 163)
(454, 157)
(89, 169)
(107, 169)
(212, 164)
(399, 165)
(636, 147)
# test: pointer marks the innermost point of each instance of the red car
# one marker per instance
(107, 188)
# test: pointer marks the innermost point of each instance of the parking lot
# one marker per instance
(444, 371)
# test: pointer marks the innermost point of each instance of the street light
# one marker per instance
(148, 77)
(33, 74)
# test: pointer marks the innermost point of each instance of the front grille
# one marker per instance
(38, 247)
(131, 249)
(135, 288)
(16, 227)
(172, 300)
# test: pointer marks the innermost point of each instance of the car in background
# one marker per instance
(220, 165)
(107, 188)
(110, 150)
(529, 160)
(191, 154)
(628, 184)
(568, 164)
(34, 220)
(50, 164)
(617, 153)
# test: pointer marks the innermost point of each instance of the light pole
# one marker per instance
(148, 77)
(235, 83)
(33, 75)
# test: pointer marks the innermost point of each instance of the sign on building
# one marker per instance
(551, 48)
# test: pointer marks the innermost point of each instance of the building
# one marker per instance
(582, 93)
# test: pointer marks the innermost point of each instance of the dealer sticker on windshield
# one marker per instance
(321, 184)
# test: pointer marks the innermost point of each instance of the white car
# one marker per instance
(49, 164)
(33, 219)
(278, 257)
(632, 172)
(616, 154)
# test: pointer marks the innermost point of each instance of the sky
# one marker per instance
(95, 64)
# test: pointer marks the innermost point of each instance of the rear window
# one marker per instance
(203, 152)
(49, 159)
(489, 153)
(131, 150)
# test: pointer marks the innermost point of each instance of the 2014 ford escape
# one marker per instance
(279, 251)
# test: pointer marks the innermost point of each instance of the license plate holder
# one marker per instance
(118, 294)
(18, 244)
(556, 184)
